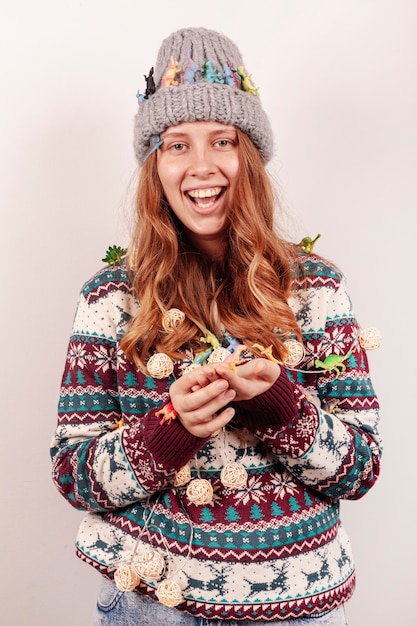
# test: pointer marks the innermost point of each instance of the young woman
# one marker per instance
(216, 403)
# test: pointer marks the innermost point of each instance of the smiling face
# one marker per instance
(198, 165)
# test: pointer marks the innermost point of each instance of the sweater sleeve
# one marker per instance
(276, 407)
(324, 426)
(109, 448)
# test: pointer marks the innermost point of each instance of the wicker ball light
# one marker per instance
(200, 491)
(160, 365)
(169, 593)
(234, 476)
(149, 565)
(370, 338)
(219, 355)
(182, 477)
(172, 319)
(295, 352)
(126, 578)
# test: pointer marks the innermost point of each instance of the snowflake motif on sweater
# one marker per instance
(273, 550)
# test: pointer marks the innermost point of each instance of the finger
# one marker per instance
(260, 368)
(266, 370)
(213, 424)
(225, 372)
(212, 396)
(200, 420)
(221, 418)
(200, 377)
(218, 404)
(205, 375)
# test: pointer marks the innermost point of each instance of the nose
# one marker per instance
(202, 163)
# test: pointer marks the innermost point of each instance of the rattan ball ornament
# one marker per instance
(126, 577)
(219, 355)
(149, 564)
(182, 477)
(172, 319)
(160, 365)
(169, 593)
(370, 338)
(294, 352)
(200, 491)
(234, 476)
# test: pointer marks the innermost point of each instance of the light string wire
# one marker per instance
(168, 551)
(325, 370)
(143, 530)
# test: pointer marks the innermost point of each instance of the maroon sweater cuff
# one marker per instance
(275, 407)
(170, 443)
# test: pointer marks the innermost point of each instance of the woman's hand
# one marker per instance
(250, 379)
(199, 397)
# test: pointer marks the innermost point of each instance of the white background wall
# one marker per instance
(338, 78)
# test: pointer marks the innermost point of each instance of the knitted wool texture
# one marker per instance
(273, 550)
(200, 99)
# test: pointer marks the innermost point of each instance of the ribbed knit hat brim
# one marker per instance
(200, 99)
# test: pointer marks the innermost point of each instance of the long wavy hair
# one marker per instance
(246, 291)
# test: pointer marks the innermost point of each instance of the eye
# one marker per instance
(225, 143)
(173, 146)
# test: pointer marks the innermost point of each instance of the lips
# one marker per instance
(205, 198)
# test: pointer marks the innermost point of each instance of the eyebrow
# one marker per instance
(175, 134)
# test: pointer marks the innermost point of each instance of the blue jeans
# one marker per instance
(118, 608)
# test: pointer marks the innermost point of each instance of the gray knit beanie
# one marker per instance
(199, 75)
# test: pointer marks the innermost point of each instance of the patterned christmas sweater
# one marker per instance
(272, 550)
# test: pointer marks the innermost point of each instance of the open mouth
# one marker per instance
(205, 198)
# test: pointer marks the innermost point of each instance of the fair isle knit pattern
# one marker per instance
(273, 550)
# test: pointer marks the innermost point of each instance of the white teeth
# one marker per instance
(205, 193)
(204, 205)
